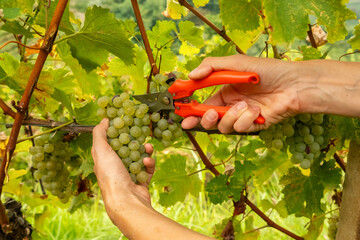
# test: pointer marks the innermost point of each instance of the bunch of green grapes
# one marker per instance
(167, 128)
(302, 135)
(50, 157)
(127, 133)
(333, 221)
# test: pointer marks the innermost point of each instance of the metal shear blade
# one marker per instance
(157, 101)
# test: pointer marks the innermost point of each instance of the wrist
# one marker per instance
(331, 87)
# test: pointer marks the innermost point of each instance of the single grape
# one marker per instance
(299, 139)
(277, 144)
(135, 131)
(124, 96)
(167, 135)
(135, 168)
(39, 157)
(157, 132)
(127, 161)
(166, 143)
(124, 138)
(175, 117)
(123, 152)
(305, 164)
(38, 174)
(288, 130)
(128, 103)
(41, 165)
(121, 112)
(111, 112)
(290, 140)
(317, 130)
(142, 149)
(317, 118)
(103, 101)
(137, 122)
(112, 132)
(142, 177)
(117, 101)
(319, 139)
(124, 129)
(39, 141)
(314, 147)
(173, 127)
(178, 133)
(308, 139)
(101, 112)
(128, 120)
(141, 139)
(305, 117)
(300, 147)
(134, 145)
(118, 122)
(145, 131)
(162, 124)
(130, 110)
(51, 165)
(139, 113)
(265, 135)
(115, 144)
(146, 119)
(155, 117)
(134, 155)
(304, 131)
(32, 150)
(48, 148)
(297, 158)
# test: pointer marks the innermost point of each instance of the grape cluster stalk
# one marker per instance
(131, 125)
(52, 159)
(302, 135)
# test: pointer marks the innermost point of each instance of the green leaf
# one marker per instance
(89, 83)
(65, 24)
(244, 170)
(64, 99)
(102, 33)
(135, 71)
(222, 151)
(290, 19)
(190, 33)
(217, 189)
(160, 34)
(315, 228)
(175, 10)
(172, 180)
(303, 194)
(14, 8)
(240, 15)
(310, 53)
(200, 3)
(11, 13)
(15, 28)
(87, 114)
(355, 40)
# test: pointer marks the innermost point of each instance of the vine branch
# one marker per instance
(7, 110)
(24, 102)
(340, 161)
(144, 36)
(222, 33)
(270, 222)
(202, 155)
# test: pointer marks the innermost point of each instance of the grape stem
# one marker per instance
(45, 132)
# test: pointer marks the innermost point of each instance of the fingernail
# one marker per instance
(194, 71)
(241, 105)
(211, 116)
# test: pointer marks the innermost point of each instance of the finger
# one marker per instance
(149, 163)
(107, 164)
(245, 122)
(227, 122)
(190, 122)
(149, 149)
(209, 119)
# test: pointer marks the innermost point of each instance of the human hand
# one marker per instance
(115, 183)
(274, 97)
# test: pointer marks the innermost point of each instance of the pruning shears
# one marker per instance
(177, 96)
